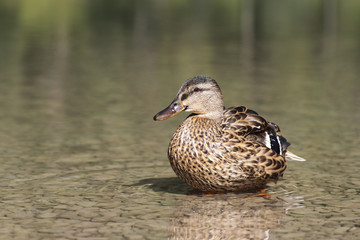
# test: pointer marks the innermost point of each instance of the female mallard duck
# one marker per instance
(223, 149)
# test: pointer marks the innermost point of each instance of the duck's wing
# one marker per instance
(243, 121)
(250, 126)
(253, 144)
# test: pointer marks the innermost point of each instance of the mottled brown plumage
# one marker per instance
(218, 149)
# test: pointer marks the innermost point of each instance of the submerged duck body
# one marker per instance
(218, 149)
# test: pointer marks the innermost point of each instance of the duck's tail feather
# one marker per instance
(289, 156)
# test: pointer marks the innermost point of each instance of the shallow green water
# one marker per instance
(80, 82)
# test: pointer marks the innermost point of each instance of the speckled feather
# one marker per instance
(226, 157)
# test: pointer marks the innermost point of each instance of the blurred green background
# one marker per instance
(72, 44)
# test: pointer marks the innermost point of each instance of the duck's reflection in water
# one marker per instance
(231, 216)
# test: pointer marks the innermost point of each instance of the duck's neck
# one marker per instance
(199, 124)
(215, 116)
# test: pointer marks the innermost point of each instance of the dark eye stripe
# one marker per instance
(200, 89)
(184, 96)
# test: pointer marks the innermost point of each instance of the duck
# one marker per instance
(218, 149)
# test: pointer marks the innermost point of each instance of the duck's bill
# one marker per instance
(174, 108)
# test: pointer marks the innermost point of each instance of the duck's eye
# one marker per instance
(196, 89)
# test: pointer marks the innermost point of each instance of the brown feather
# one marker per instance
(224, 157)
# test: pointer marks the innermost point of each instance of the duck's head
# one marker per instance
(200, 95)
